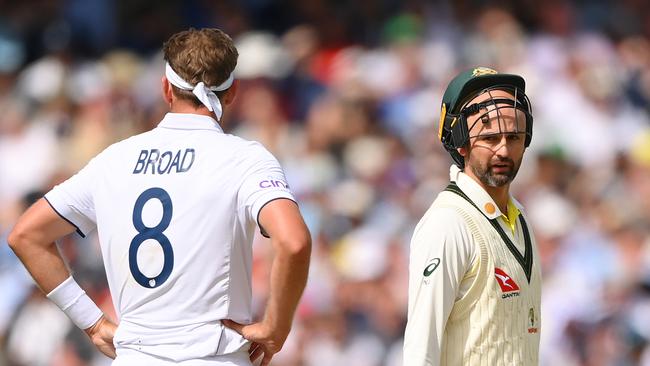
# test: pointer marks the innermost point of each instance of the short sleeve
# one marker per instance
(262, 183)
(73, 199)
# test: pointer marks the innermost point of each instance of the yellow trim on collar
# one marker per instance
(511, 217)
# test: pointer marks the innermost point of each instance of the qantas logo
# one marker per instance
(506, 283)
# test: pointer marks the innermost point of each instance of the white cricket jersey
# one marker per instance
(472, 301)
(175, 210)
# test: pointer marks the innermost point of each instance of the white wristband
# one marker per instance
(74, 302)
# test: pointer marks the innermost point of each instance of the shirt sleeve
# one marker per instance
(262, 183)
(73, 199)
(442, 252)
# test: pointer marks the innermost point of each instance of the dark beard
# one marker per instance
(486, 175)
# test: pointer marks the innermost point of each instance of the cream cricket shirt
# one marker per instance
(175, 209)
(472, 300)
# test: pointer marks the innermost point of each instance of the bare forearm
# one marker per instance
(32, 239)
(288, 278)
(43, 262)
(292, 246)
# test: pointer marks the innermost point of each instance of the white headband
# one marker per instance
(205, 94)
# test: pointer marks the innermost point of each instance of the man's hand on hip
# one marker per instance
(101, 334)
(265, 340)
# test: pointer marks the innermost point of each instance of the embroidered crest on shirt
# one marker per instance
(508, 286)
(532, 329)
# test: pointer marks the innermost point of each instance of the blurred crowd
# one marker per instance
(346, 94)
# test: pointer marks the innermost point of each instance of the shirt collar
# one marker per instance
(189, 121)
(480, 197)
(513, 214)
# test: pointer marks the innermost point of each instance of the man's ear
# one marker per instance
(463, 151)
(229, 95)
(167, 91)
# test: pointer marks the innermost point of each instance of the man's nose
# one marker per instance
(502, 149)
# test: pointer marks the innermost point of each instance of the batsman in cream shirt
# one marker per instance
(473, 299)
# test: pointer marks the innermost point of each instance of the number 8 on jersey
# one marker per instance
(155, 233)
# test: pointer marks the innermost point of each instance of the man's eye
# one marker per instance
(514, 137)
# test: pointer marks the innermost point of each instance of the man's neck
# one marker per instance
(180, 107)
(500, 195)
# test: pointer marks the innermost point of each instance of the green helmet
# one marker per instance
(453, 131)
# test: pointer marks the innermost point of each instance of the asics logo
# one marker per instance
(428, 270)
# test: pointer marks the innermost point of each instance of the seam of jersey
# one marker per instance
(257, 219)
(234, 229)
(78, 230)
(230, 255)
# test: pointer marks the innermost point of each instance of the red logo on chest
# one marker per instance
(506, 283)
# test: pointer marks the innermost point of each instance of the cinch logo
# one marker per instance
(506, 283)
(268, 183)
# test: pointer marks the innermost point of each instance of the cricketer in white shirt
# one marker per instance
(176, 208)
